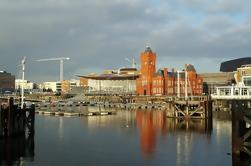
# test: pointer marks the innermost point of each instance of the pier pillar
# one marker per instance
(1, 122)
(241, 128)
(10, 119)
(32, 120)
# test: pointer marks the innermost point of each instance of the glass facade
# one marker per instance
(247, 81)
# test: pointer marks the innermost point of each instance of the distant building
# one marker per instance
(65, 86)
(53, 86)
(27, 84)
(232, 65)
(7, 82)
(83, 82)
(234, 71)
(243, 75)
(163, 82)
(122, 81)
(212, 80)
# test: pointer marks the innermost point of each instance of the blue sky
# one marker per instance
(99, 35)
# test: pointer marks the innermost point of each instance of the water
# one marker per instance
(128, 138)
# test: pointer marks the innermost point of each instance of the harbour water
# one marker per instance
(127, 138)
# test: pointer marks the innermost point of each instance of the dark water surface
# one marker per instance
(128, 138)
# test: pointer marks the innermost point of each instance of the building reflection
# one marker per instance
(15, 149)
(154, 124)
(150, 123)
(203, 126)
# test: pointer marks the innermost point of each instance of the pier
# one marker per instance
(241, 128)
(190, 109)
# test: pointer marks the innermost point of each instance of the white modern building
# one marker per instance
(57, 86)
(122, 81)
(27, 84)
(242, 89)
(54, 86)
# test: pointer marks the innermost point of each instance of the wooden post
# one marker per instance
(32, 120)
(236, 125)
(210, 109)
(1, 121)
(10, 117)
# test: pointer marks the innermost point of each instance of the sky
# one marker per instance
(99, 34)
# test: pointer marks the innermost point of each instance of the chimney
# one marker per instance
(165, 72)
(172, 71)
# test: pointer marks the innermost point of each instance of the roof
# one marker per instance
(232, 65)
(160, 72)
(148, 49)
(112, 77)
(190, 67)
(128, 69)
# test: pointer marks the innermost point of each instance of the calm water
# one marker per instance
(128, 138)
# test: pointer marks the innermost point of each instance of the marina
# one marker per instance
(147, 137)
(125, 83)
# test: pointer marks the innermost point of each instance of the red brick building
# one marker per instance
(147, 72)
(164, 82)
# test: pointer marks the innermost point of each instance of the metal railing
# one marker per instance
(232, 92)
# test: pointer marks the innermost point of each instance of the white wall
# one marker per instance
(113, 86)
(27, 84)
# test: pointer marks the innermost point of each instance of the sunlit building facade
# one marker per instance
(164, 82)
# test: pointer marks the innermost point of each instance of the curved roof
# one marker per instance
(232, 65)
(128, 69)
(112, 77)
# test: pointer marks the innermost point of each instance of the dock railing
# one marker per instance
(232, 92)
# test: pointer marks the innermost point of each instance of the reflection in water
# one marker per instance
(15, 149)
(237, 161)
(61, 128)
(125, 119)
(144, 137)
(203, 126)
(150, 122)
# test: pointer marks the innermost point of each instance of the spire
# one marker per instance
(148, 49)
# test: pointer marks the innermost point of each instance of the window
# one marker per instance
(243, 72)
(154, 90)
(247, 81)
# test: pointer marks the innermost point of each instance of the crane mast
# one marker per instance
(61, 60)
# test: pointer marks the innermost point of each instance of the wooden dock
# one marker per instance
(196, 107)
(75, 111)
(190, 109)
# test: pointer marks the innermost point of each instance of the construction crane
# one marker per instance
(61, 60)
(132, 62)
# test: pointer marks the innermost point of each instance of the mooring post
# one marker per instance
(1, 121)
(32, 120)
(209, 107)
(10, 117)
(187, 109)
(236, 138)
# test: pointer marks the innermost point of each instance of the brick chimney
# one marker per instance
(165, 72)
(173, 72)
